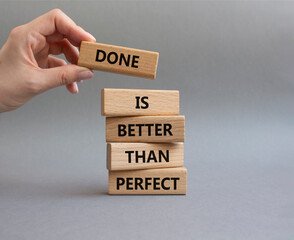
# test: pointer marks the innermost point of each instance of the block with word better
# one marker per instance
(136, 102)
(118, 59)
(145, 129)
(150, 181)
(131, 156)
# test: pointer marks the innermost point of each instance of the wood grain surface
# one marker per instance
(123, 60)
(132, 156)
(151, 181)
(135, 102)
(145, 129)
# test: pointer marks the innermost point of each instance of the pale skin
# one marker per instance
(27, 67)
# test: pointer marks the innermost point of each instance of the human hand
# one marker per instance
(26, 66)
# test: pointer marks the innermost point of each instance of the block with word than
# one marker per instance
(131, 156)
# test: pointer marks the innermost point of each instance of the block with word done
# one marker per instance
(150, 181)
(136, 102)
(131, 156)
(118, 59)
(145, 129)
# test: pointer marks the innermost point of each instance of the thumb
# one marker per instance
(64, 75)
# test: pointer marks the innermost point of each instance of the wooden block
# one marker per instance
(131, 156)
(151, 181)
(118, 59)
(145, 129)
(134, 102)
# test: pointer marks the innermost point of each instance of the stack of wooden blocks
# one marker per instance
(144, 131)
(145, 135)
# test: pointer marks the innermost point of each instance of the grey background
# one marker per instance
(233, 63)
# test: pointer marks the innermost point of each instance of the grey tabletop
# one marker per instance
(233, 64)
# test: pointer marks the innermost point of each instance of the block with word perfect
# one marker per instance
(135, 102)
(145, 129)
(131, 156)
(118, 59)
(150, 181)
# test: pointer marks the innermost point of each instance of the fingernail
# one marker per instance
(80, 81)
(76, 88)
(90, 35)
(85, 75)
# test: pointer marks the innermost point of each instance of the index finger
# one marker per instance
(57, 21)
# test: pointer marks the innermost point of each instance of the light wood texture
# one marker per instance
(135, 102)
(118, 59)
(145, 129)
(131, 156)
(151, 181)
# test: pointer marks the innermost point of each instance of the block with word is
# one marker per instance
(131, 156)
(118, 59)
(145, 129)
(150, 181)
(134, 102)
